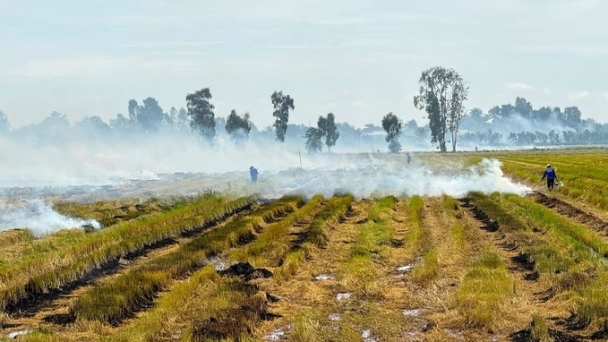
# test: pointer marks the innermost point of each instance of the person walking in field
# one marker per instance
(254, 174)
(551, 177)
(409, 158)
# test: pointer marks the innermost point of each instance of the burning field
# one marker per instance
(366, 248)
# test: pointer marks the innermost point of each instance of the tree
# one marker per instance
(392, 125)
(150, 116)
(238, 127)
(523, 107)
(282, 104)
(572, 116)
(328, 126)
(121, 124)
(201, 113)
(133, 110)
(4, 124)
(442, 93)
(313, 137)
(147, 118)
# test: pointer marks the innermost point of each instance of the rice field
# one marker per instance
(220, 267)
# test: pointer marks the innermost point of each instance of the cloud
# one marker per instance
(519, 86)
(579, 95)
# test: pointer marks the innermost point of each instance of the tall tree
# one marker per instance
(392, 125)
(238, 127)
(282, 104)
(4, 124)
(201, 113)
(147, 118)
(150, 116)
(328, 126)
(313, 137)
(442, 93)
(572, 116)
(523, 107)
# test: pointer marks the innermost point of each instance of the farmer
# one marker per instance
(254, 174)
(409, 158)
(551, 177)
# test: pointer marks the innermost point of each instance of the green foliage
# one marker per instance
(47, 270)
(238, 127)
(201, 112)
(282, 104)
(313, 140)
(428, 270)
(540, 330)
(114, 301)
(484, 291)
(147, 118)
(417, 238)
(328, 126)
(442, 93)
(392, 125)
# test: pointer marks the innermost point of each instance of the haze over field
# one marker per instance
(358, 59)
(117, 79)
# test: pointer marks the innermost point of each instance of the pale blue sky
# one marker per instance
(357, 59)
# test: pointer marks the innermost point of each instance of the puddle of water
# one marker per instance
(412, 312)
(366, 335)
(218, 263)
(277, 334)
(343, 295)
(324, 277)
(405, 268)
(334, 317)
(19, 333)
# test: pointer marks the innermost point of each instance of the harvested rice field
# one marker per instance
(292, 259)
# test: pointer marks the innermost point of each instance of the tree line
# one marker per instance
(441, 96)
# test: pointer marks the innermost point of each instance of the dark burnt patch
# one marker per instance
(246, 271)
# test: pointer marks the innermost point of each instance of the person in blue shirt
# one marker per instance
(551, 177)
(254, 174)
(409, 158)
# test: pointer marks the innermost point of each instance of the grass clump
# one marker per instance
(428, 270)
(540, 329)
(335, 209)
(484, 291)
(417, 238)
(114, 301)
(70, 257)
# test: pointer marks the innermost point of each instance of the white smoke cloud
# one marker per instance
(147, 166)
(38, 217)
(366, 175)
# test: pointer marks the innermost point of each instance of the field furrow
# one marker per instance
(55, 307)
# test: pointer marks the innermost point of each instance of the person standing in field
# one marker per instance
(409, 158)
(551, 177)
(254, 174)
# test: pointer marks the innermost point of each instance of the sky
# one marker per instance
(357, 59)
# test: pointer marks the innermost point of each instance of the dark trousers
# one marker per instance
(550, 183)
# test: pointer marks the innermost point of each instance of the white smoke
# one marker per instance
(38, 217)
(147, 166)
(365, 176)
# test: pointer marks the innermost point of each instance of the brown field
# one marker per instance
(219, 267)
